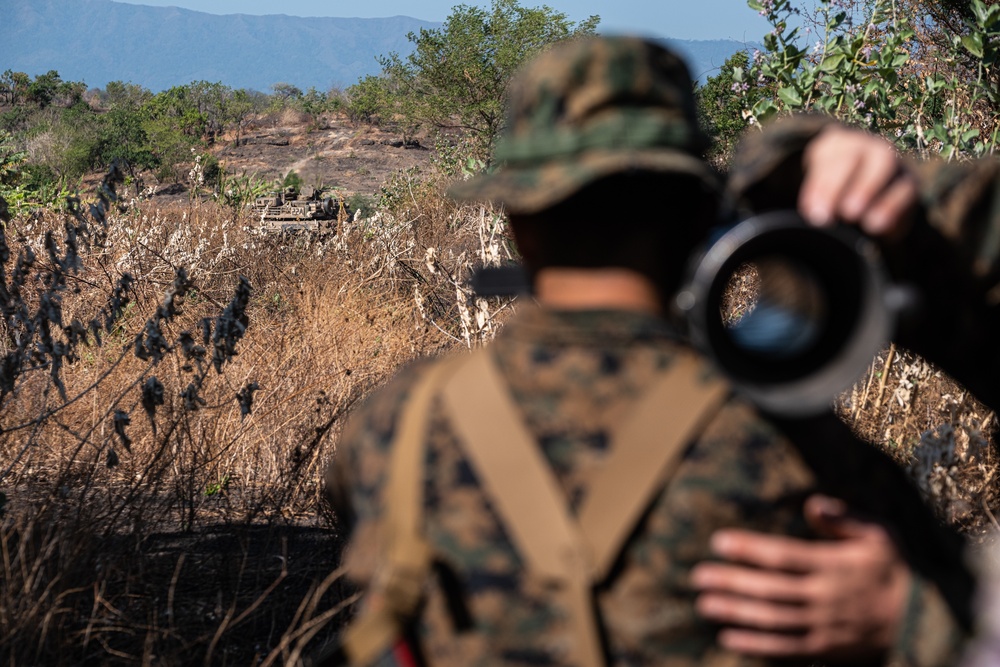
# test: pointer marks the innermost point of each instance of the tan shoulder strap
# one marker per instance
(527, 496)
(520, 484)
(643, 452)
(398, 585)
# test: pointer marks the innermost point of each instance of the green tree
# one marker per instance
(314, 104)
(368, 99)
(122, 95)
(722, 102)
(240, 108)
(457, 76)
(13, 87)
(176, 108)
(123, 139)
(286, 91)
(210, 101)
(44, 88)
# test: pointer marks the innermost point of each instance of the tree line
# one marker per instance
(922, 72)
(64, 130)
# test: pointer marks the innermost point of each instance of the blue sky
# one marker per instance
(679, 19)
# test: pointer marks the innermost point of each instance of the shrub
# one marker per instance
(363, 205)
(873, 66)
(457, 75)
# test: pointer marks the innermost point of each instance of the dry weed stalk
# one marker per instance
(933, 427)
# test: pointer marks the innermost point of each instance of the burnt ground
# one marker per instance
(335, 152)
(221, 594)
(246, 581)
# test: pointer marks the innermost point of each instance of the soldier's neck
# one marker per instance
(596, 289)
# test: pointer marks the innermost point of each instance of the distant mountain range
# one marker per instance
(97, 41)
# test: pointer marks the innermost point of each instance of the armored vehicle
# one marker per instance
(307, 210)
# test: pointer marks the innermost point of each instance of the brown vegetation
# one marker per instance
(192, 531)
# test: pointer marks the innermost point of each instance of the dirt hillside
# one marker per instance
(333, 152)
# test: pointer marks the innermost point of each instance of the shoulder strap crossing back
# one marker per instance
(573, 554)
(576, 554)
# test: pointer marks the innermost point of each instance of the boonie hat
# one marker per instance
(588, 108)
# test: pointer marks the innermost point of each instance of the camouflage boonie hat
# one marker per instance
(589, 108)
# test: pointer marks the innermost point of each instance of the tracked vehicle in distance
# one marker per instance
(307, 210)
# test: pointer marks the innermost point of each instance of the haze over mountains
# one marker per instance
(97, 41)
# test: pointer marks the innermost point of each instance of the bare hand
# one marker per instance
(795, 598)
(858, 178)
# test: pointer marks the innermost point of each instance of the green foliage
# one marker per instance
(457, 76)
(457, 158)
(11, 161)
(723, 100)
(314, 103)
(122, 138)
(369, 99)
(15, 119)
(212, 170)
(359, 201)
(122, 95)
(38, 176)
(238, 110)
(292, 180)
(286, 91)
(176, 108)
(13, 87)
(220, 487)
(237, 191)
(863, 71)
(25, 186)
(43, 89)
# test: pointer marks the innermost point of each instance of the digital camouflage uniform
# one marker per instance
(574, 376)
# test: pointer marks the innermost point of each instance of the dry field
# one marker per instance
(163, 500)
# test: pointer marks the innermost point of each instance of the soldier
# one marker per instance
(543, 501)
(947, 244)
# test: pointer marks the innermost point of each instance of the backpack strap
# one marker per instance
(398, 586)
(522, 487)
(525, 493)
(643, 453)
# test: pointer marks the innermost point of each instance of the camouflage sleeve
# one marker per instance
(357, 474)
(952, 255)
(962, 204)
(929, 635)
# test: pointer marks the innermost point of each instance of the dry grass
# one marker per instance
(931, 425)
(194, 531)
(191, 531)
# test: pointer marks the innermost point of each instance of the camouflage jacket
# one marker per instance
(574, 375)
